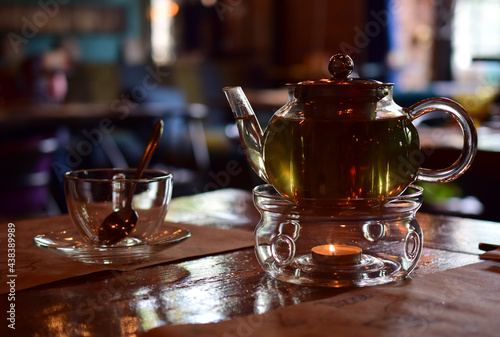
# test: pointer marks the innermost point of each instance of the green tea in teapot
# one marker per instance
(337, 160)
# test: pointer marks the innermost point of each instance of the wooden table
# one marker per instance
(211, 288)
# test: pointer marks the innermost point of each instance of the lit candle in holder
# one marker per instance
(336, 254)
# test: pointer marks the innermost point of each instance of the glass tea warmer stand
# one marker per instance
(339, 159)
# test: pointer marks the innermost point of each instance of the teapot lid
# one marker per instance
(340, 84)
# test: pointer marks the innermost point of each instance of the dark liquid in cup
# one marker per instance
(336, 161)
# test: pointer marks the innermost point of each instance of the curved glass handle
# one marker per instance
(468, 130)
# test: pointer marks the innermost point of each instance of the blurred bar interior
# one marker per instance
(83, 82)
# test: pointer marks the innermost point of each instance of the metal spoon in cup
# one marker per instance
(121, 222)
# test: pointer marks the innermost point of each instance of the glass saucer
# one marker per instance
(69, 243)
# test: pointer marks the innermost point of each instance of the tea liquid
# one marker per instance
(340, 160)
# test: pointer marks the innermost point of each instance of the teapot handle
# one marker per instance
(469, 135)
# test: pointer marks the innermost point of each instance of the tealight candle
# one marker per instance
(336, 254)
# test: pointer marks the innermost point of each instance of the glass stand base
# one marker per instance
(353, 246)
(370, 271)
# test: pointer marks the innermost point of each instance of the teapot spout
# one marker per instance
(249, 128)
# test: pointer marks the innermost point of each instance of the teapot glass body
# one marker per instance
(323, 154)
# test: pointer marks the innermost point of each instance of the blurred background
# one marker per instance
(83, 82)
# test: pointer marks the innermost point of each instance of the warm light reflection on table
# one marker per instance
(211, 288)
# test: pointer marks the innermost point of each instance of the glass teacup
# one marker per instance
(92, 195)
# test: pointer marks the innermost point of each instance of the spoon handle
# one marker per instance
(153, 141)
(146, 157)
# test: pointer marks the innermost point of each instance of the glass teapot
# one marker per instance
(343, 140)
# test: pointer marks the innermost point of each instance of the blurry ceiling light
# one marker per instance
(162, 43)
(174, 8)
(162, 9)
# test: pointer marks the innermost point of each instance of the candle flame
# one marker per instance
(332, 249)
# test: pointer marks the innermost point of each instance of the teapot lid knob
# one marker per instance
(340, 66)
